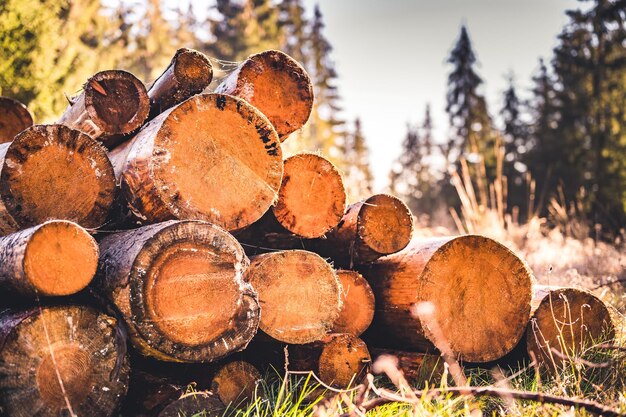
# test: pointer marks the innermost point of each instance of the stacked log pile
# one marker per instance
(160, 223)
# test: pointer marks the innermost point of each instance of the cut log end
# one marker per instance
(385, 224)
(478, 294)
(278, 86)
(214, 158)
(193, 70)
(14, 117)
(235, 383)
(312, 198)
(358, 307)
(62, 358)
(299, 293)
(60, 259)
(54, 172)
(194, 404)
(344, 361)
(116, 101)
(567, 321)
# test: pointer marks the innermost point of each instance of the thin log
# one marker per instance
(179, 286)
(195, 404)
(112, 103)
(468, 295)
(377, 226)
(566, 320)
(14, 117)
(53, 259)
(58, 361)
(54, 172)
(277, 85)
(213, 158)
(235, 383)
(358, 307)
(419, 369)
(300, 294)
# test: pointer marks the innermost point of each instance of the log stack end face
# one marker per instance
(52, 171)
(193, 70)
(479, 294)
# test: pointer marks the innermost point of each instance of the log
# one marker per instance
(419, 369)
(53, 259)
(300, 294)
(477, 292)
(112, 103)
(14, 117)
(357, 311)
(179, 286)
(188, 74)
(59, 361)
(194, 404)
(341, 361)
(235, 383)
(312, 198)
(377, 226)
(54, 172)
(566, 320)
(277, 85)
(213, 158)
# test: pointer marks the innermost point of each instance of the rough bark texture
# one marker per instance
(61, 361)
(195, 404)
(300, 294)
(188, 74)
(53, 259)
(468, 292)
(14, 117)
(54, 172)
(566, 320)
(377, 226)
(112, 103)
(235, 383)
(358, 307)
(341, 360)
(179, 286)
(419, 369)
(213, 158)
(277, 85)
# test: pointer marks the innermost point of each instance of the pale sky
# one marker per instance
(390, 55)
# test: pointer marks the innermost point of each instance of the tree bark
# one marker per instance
(54, 172)
(58, 361)
(112, 103)
(188, 74)
(213, 158)
(53, 259)
(566, 320)
(300, 294)
(468, 295)
(358, 308)
(179, 286)
(277, 85)
(377, 226)
(14, 117)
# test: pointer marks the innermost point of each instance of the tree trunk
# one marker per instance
(54, 172)
(358, 307)
(188, 74)
(54, 259)
(472, 296)
(377, 226)
(59, 361)
(179, 286)
(341, 361)
(213, 158)
(14, 117)
(195, 404)
(235, 383)
(112, 103)
(300, 294)
(419, 369)
(277, 85)
(566, 320)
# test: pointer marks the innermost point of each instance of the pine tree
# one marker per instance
(293, 25)
(358, 178)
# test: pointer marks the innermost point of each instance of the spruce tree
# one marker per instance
(293, 25)
(357, 178)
